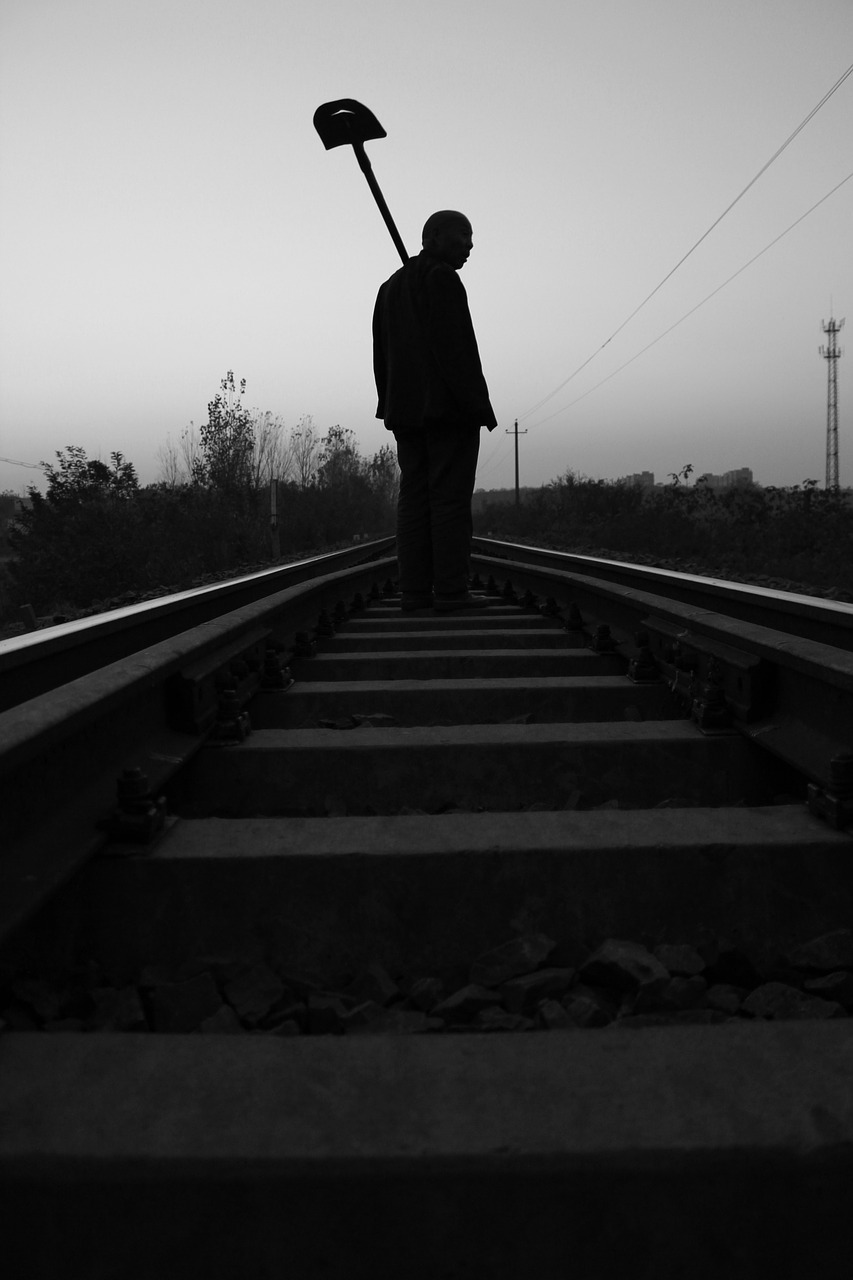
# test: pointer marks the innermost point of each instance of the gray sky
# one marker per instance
(168, 213)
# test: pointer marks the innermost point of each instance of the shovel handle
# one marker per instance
(367, 169)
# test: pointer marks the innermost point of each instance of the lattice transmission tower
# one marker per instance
(832, 355)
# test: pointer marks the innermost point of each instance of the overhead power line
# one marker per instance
(34, 466)
(692, 310)
(839, 82)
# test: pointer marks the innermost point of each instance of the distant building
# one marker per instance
(645, 479)
(742, 475)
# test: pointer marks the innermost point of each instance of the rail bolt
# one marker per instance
(132, 785)
(275, 674)
(602, 640)
(835, 804)
(303, 645)
(233, 723)
(841, 775)
(324, 625)
(140, 816)
(643, 667)
(710, 709)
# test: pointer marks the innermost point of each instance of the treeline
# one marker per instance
(798, 535)
(97, 536)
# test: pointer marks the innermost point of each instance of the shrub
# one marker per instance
(801, 534)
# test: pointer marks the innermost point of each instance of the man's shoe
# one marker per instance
(454, 604)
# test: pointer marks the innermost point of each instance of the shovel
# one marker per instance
(347, 122)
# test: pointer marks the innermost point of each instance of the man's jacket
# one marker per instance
(425, 356)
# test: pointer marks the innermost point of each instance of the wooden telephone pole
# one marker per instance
(515, 432)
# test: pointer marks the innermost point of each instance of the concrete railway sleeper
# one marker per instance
(498, 945)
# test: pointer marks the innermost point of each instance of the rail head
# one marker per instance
(38, 661)
(63, 752)
(811, 617)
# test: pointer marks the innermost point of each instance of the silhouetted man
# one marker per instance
(433, 396)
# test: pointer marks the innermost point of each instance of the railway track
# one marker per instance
(514, 942)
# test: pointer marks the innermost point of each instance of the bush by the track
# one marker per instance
(798, 538)
(69, 557)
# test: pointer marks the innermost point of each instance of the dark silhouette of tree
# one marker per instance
(77, 478)
(227, 440)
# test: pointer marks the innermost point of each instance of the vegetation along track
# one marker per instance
(514, 942)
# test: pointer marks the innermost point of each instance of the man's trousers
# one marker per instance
(438, 466)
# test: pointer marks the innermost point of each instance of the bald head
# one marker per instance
(447, 235)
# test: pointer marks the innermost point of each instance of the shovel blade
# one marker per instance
(346, 121)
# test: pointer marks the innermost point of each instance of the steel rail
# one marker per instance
(38, 661)
(812, 617)
(62, 752)
(791, 694)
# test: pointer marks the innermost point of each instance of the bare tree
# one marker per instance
(305, 440)
(170, 464)
(273, 452)
(190, 452)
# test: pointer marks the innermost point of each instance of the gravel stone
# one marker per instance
(19, 1018)
(586, 1011)
(673, 1018)
(726, 963)
(223, 1022)
(222, 969)
(375, 720)
(463, 1005)
(620, 983)
(373, 983)
(724, 997)
(776, 1000)
(159, 975)
(497, 1019)
(39, 995)
(522, 994)
(183, 1006)
(680, 960)
(360, 1017)
(833, 986)
(650, 996)
(287, 1027)
(518, 956)
(326, 1015)
(622, 966)
(551, 1016)
(396, 1022)
(826, 954)
(425, 993)
(254, 992)
(116, 1010)
(286, 1010)
(686, 993)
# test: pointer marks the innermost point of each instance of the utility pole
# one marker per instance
(518, 496)
(274, 533)
(831, 355)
